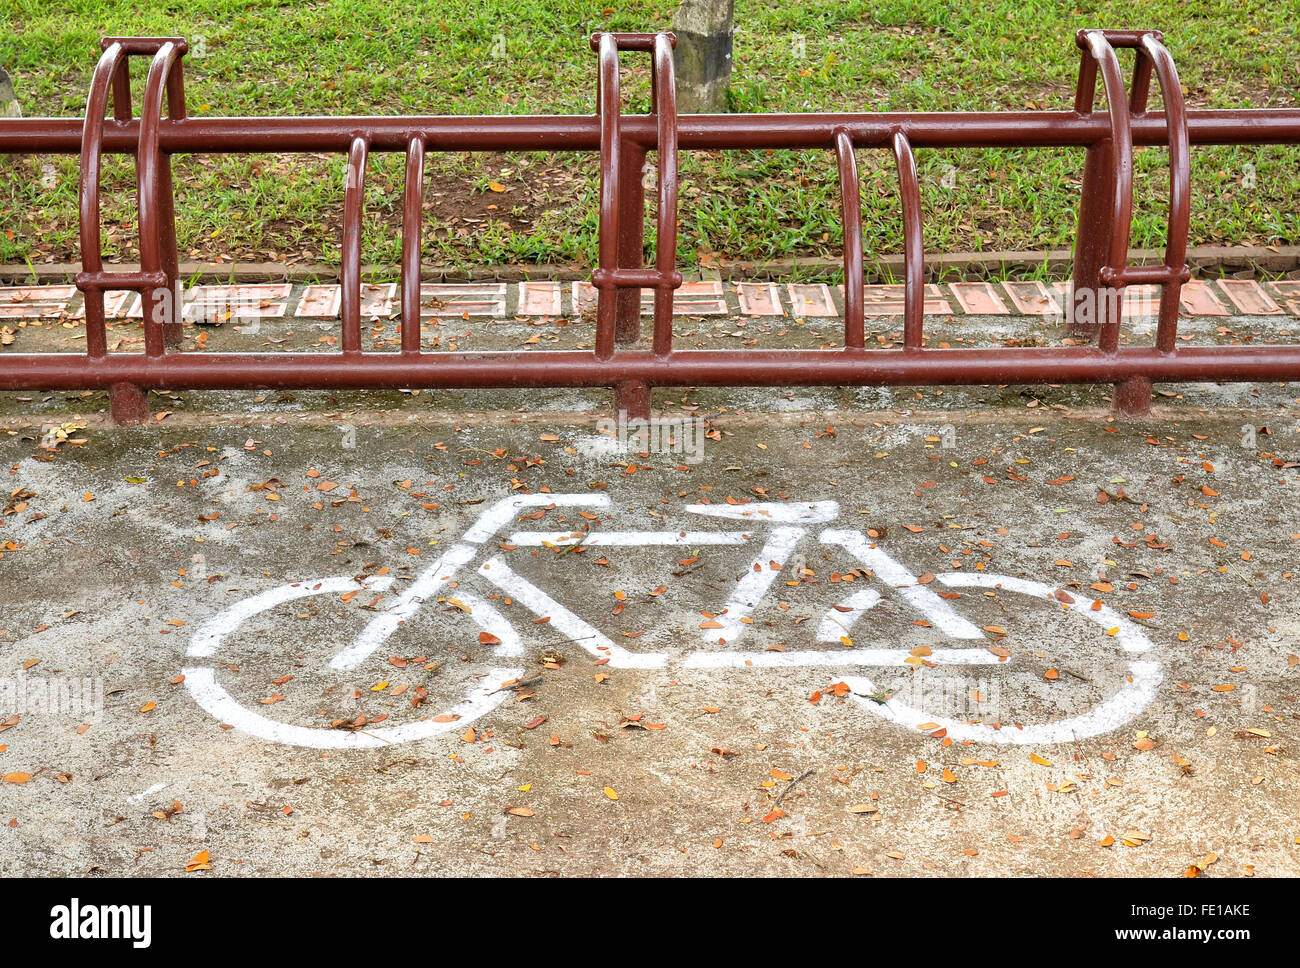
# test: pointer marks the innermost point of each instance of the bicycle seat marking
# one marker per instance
(783, 527)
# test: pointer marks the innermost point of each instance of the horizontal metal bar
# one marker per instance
(213, 371)
(1027, 129)
(635, 278)
(144, 46)
(633, 41)
(131, 281)
(1146, 275)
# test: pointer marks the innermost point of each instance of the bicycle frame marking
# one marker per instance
(440, 572)
(789, 528)
(887, 569)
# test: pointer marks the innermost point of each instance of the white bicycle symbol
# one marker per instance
(790, 524)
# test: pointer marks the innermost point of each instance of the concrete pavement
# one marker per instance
(875, 685)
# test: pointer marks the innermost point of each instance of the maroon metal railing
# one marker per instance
(158, 280)
(1101, 265)
(1098, 47)
(619, 205)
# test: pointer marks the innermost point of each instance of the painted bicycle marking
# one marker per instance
(784, 526)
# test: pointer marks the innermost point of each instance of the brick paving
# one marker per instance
(1218, 297)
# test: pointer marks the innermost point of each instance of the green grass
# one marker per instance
(256, 57)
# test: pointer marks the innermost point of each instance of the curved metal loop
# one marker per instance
(148, 156)
(112, 63)
(157, 221)
(158, 258)
(1171, 92)
(1121, 149)
(609, 105)
(412, 220)
(665, 107)
(851, 212)
(1180, 178)
(350, 269)
(1115, 272)
(909, 189)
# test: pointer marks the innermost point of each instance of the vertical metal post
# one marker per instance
(128, 404)
(1090, 297)
(350, 270)
(412, 220)
(631, 238)
(851, 215)
(1132, 397)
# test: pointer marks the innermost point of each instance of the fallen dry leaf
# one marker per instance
(200, 862)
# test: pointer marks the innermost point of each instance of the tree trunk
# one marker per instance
(8, 102)
(702, 59)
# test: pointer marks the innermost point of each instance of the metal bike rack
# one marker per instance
(1101, 265)
(158, 279)
(1108, 238)
(622, 211)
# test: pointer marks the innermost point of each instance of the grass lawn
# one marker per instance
(439, 57)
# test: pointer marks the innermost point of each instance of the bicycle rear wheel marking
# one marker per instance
(211, 633)
(212, 696)
(201, 681)
(1111, 714)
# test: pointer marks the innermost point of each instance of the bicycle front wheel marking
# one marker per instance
(1134, 696)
